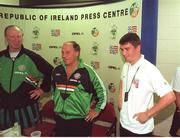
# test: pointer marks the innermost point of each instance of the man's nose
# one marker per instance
(63, 55)
(123, 52)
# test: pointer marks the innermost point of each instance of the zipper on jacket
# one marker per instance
(65, 92)
(67, 80)
(11, 76)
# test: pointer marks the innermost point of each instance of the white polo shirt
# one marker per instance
(147, 80)
(176, 80)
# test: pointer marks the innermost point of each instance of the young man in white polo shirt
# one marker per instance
(139, 80)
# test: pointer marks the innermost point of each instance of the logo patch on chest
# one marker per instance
(77, 76)
(136, 83)
(21, 67)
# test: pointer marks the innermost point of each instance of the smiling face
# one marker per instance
(69, 54)
(14, 38)
(130, 53)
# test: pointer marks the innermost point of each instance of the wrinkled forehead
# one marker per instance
(67, 47)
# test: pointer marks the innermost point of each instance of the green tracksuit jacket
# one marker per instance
(72, 97)
(19, 77)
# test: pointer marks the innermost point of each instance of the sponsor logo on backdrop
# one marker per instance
(36, 46)
(95, 48)
(77, 33)
(54, 47)
(55, 32)
(114, 67)
(35, 32)
(95, 64)
(134, 9)
(112, 87)
(56, 60)
(113, 32)
(95, 32)
(113, 49)
(132, 29)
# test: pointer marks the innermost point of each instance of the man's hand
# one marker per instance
(119, 107)
(36, 93)
(178, 111)
(91, 115)
(142, 117)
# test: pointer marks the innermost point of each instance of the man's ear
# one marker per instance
(139, 48)
(78, 54)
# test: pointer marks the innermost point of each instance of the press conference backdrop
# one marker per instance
(96, 28)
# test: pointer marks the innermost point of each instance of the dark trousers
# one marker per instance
(72, 127)
(126, 133)
(175, 124)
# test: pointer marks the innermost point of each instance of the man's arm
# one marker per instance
(44, 67)
(101, 96)
(120, 96)
(177, 100)
(164, 102)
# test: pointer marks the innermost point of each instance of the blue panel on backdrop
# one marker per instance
(149, 29)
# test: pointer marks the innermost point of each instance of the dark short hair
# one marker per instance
(11, 26)
(132, 38)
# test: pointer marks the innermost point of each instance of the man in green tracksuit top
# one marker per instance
(21, 70)
(75, 83)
